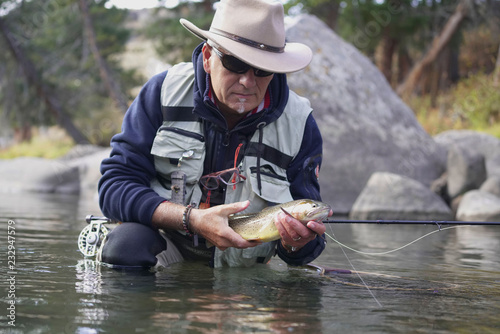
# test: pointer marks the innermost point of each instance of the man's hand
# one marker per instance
(295, 234)
(212, 224)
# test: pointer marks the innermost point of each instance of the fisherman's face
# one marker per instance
(236, 94)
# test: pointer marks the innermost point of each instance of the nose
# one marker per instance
(247, 79)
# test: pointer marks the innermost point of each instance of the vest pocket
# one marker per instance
(275, 187)
(179, 149)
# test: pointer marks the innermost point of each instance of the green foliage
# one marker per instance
(365, 22)
(474, 103)
(479, 48)
(477, 100)
(50, 32)
(326, 10)
(173, 42)
(411, 23)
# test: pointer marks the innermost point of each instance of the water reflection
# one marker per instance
(445, 283)
(191, 296)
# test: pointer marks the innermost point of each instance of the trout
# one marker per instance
(260, 226)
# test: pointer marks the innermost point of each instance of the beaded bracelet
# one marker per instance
(185, 224)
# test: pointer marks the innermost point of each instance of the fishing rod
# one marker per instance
(409, 222)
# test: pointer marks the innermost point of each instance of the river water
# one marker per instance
(448, 282)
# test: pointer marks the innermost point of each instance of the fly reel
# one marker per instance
(92, 235)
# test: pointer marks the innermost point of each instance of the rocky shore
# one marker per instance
(468, 190)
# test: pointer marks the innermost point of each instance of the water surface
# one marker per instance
(448, 282)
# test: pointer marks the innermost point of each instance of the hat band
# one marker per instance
(248, 42)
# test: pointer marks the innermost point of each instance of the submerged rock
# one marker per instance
(391, 196)
(366, 127)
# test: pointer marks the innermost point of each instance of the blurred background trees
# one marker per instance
(53, 77)
(440, 55)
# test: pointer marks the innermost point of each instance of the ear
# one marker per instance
(207, 53)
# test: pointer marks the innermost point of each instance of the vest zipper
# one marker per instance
(225, 142)
(184, 133)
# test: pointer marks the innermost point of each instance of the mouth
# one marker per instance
(320, 213)
(243, 95)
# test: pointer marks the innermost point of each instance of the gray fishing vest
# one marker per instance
(179, 145)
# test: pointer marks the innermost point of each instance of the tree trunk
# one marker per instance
(112, 85)
(404, 64)
(496, 80)
(386, 49)
(439, 43)
(50, 101)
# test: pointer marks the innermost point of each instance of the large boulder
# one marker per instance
(481, 143)
(466, 170)
(494, 164)
(492, 185)
(391, 196)
(366, 127)
(478, 205)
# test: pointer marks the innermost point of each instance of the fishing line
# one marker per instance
(342, 246)
(357, 273)
(389, 251)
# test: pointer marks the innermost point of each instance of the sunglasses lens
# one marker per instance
(234, 64)
(261, 73)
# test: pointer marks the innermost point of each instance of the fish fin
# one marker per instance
(265, 226)
(239, 216)
(286, 212)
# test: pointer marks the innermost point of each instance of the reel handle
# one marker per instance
(90, 218)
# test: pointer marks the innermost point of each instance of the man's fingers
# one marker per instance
(296, 234)
(317, 227)
(232, 208)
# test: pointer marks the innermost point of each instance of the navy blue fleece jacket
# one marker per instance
(124, 189)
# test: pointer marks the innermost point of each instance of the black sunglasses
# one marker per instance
(235, 65)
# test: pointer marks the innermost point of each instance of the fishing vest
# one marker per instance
(179, 145)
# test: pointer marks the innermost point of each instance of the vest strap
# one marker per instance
(270, 154)
(179, 114)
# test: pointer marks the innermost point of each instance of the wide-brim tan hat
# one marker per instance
(254, 31)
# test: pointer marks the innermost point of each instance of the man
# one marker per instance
(229, 125)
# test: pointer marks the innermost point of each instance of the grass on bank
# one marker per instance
(49, 144)
(473, 103)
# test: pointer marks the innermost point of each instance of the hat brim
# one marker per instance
(295, 56)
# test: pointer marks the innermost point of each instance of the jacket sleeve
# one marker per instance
(303, 177)
(124, 188)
